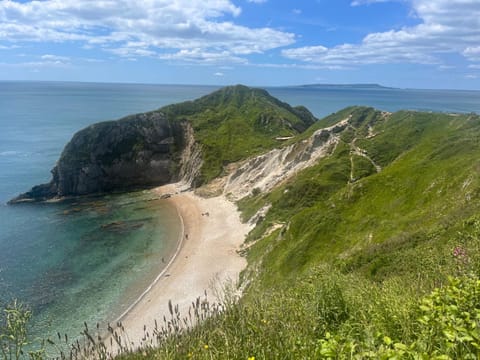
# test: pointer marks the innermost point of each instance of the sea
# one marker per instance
(88, 259)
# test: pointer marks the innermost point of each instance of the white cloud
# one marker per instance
(129, 51)
(92, 60)
(202, 56)
(257, 1)
(49, 57)
(36, 64)
(472, 53)
(368, 2)
(219, 74)
(43, 61)
(301, 66)
(10, 47)
(446, 27)
(138, 28)
(446, 67)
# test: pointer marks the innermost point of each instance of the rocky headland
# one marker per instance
(191, 141)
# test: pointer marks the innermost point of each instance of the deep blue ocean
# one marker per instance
(88, 259)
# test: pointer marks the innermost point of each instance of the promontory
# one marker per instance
(193, 141)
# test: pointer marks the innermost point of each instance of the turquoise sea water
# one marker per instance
(88, 259)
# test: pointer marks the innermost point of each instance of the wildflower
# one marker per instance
(251, 358)
(459, 252)
(205, 347)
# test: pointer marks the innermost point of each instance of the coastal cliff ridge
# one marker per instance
(191, 141)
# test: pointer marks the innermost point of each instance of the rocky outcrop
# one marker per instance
(262, 173)
(137, 151)
(194, 141)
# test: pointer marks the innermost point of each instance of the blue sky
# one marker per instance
(400, 43)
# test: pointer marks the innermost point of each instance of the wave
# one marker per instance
(9, 153)
(13, 153)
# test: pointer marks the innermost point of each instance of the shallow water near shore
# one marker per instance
(90, 259)
(83, 259)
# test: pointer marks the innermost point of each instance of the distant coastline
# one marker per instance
(346, 86)
(213, 87)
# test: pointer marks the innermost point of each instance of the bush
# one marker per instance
(14, 333)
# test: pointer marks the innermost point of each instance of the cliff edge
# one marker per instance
(193, 140)
(137, 151)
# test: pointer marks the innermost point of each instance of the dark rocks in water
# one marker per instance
(137, 151)
(37, 193)
(122, 226)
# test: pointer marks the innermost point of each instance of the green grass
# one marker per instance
(236, 122)
(428, 188)
(382, 266)
(360, 269)
(355, 265)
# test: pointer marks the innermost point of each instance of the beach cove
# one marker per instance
(207, 259)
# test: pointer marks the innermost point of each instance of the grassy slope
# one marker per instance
(236, 122)
(428, 185)
(343, 276)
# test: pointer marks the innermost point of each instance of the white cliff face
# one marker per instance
(268, 170)
(191, 158)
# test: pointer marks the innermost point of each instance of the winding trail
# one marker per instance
(355, 150)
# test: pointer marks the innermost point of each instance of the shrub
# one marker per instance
(14, 333)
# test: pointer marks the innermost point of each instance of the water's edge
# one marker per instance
(162, 272)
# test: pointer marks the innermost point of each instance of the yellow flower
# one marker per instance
(189, 355)
(251, 358)
(205, 347)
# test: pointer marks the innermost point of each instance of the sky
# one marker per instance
(432, 44)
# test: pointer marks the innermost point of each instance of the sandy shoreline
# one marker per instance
(206, 259)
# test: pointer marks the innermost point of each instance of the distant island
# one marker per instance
(345, 86)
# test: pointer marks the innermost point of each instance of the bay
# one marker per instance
(88, 259)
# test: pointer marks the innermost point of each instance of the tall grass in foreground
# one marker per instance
(331, 311)
(324, 319)
(325, 315)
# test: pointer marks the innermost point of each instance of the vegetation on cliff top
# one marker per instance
(236, 122)
(145, 149)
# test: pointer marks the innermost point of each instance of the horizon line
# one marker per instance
(365, 84)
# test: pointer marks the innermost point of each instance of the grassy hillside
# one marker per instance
(371, 253)
(236, 122)
(342, 209)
